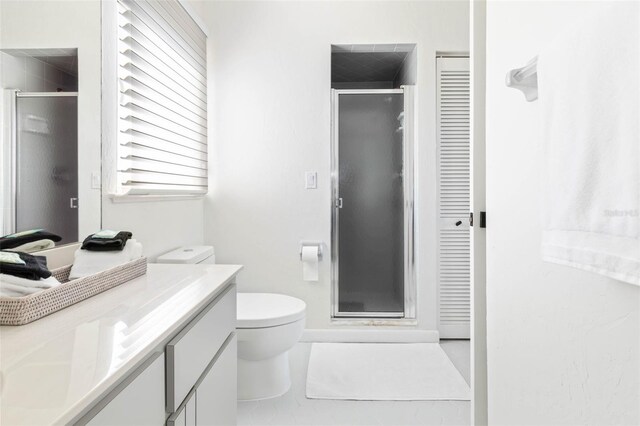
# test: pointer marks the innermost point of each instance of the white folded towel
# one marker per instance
(589, 96)
(34, 246)
(91, 262)
(12, 286)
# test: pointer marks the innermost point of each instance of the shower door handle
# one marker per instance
(338, 203)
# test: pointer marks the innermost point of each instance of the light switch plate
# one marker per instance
(96, 180)
(311, 180)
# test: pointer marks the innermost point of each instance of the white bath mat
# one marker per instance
(383, 372)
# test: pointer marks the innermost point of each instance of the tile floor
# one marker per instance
(294, 408)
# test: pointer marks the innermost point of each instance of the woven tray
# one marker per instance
(23, 310)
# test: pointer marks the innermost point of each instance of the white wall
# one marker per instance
(67, 24)
(161, 226)
(269, 79)
(563, 344)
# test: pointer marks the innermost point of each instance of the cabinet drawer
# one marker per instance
(190, 352)
(137, 401)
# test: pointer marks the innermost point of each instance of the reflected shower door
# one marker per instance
(47, 165)
(370, 205)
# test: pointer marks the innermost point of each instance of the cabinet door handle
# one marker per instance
(339, 203)
(73, 203)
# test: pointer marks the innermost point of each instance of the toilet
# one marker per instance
(268, 326)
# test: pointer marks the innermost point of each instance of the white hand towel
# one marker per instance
(12, 286)
(34, 246)
(91, 262)
(589, 96)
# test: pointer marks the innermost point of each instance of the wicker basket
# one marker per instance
(23, 310)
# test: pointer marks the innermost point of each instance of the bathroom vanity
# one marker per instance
(158, 349)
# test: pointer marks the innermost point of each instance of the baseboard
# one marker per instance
(370, 336)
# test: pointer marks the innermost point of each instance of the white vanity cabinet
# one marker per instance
(192, 382)
(201, 372)
(160, 348)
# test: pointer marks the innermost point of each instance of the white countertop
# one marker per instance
(54, 368)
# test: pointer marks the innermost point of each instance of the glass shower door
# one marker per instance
(46, 164)
(369, 211)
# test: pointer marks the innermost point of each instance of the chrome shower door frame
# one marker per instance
(10, 222)
(408, 145)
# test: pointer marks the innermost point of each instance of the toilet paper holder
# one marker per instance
(320, 246)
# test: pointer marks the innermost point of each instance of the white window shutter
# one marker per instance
(162, 105)
(453, 158)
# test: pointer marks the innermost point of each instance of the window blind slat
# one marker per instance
(133, 137)
(162, 103)
(141, 12)
(141, 151)
(130, 33)
(172, 123)
(131, 25)
(174, 18)
(141, 176)
(145, 55)
(148, 165)
(136, 77)
(188, 24)
(152, 77)
(136, 125)
(152, 102)
(131, 86)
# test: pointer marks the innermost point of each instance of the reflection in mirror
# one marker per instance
(40, 171)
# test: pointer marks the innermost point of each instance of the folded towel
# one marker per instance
(12, 241)
(589, 96)
(23, 265)
(11, 286)
(34, 246)
(106, 241)
(91, 262)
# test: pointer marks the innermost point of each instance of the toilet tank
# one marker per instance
(189, 255)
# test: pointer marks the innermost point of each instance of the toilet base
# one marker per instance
(263, 379)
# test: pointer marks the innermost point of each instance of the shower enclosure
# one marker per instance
(44, 163)
(372, 215)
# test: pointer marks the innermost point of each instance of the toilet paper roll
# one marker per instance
(310, 263)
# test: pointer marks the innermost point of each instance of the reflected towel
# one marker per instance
(589, 96)
(11, 286)
(91, 262)
(34, 246)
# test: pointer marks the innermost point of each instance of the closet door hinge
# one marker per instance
(483, 219)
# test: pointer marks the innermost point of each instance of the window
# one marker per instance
(162, 100)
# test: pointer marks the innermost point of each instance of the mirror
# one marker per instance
(50, 98)
(42, 174)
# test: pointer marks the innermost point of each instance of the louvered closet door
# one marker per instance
(453, 198)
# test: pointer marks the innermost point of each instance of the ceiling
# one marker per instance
(367, 63)
(63, 59)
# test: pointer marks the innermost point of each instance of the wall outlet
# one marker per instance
(311, 180)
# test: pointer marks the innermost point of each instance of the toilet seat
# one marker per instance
(260, 310)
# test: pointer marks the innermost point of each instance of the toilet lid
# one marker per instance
(256, 310)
